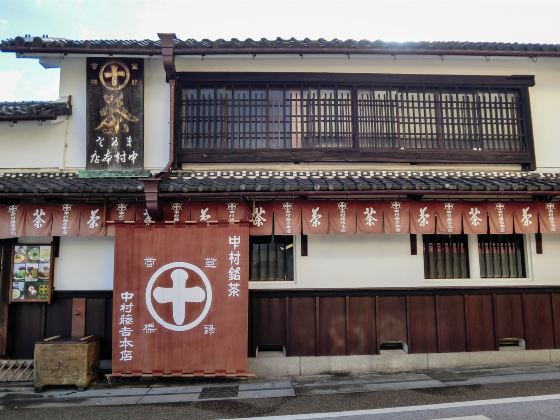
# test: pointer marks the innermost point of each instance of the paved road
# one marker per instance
(319, 403)
(539, 407)
(314, 395)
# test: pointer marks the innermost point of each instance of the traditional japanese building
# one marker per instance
(284, 206)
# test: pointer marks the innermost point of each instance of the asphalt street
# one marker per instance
(314, 396)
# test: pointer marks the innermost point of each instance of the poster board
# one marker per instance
(180, 300)
(31, 273)
(115, 114)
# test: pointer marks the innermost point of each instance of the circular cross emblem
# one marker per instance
(114, 75)
(43, 289)
(179, 295)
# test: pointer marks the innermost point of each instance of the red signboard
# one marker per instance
(180, 301)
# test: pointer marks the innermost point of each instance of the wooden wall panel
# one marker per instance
(480, 323)
(538, 321)
(107, 340)
(268, 322)
(5, 255)
(422, 324)
(332, 326)
(30, 322)
(361, 325)
(58, 317)
(26, 326)
(451, 327)
(97, 311)
(302, 334)
(508, 316)
(556, 318)
(391, 319)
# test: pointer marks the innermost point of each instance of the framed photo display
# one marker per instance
(32, 273)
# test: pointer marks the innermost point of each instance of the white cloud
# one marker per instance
(50, 90)
(9, 85)
(85, 32)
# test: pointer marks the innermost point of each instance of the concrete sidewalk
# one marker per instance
(132, 392)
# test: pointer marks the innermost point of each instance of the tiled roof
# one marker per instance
(65, 183)
(278, 45)
(296, 182)
(323, 181)
(44, 110)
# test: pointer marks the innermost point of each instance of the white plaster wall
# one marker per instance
(545, 266)
(353, 261)
(29, 146)
(545, 95)
(333, 261)
(61, 145)
(85, 264)
(375, 261)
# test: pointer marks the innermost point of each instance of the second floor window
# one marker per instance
(354, 117)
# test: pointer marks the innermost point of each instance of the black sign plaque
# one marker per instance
(115, 114)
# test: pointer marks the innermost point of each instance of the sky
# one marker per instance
(524, 21)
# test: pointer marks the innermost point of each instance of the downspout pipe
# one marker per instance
(151, 185)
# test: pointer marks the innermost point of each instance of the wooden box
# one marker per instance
(66, 361)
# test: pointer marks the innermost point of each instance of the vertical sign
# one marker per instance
(181, 300)
(115, 114)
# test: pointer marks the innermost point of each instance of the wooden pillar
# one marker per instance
(78, 317)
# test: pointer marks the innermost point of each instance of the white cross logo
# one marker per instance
(179, 295)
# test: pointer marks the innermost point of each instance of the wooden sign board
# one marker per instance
(115, 114)
(180, 300)
(31, 273)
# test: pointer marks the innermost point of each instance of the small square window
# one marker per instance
(446, 256)
(272, 258)
(501, 256)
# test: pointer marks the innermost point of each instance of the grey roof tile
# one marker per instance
(69, 184)
(33, 110)
(192, 46)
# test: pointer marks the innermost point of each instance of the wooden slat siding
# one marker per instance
(555, 302)
(332, 326)
(451, 331)
(539, 327)
(302, 327)
(391, 319)
(31, 322)
(25, 326)
(480, 323)
(508, 313)
(268, 322)
(361, 325)
(5, 253)
(96, 322)
(58, 318)
(422, 324)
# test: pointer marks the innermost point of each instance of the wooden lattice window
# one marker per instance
(272, 258)
(446, 256)
(474, 119)
(501, 256)
(353, 117)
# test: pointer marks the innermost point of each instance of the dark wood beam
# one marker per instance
(168, 54)
(151, 190)
(353, 155)
(538, 243)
